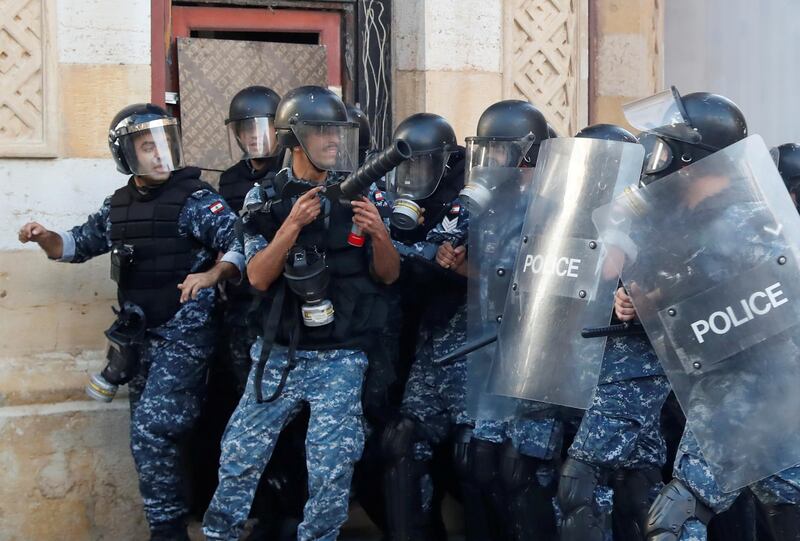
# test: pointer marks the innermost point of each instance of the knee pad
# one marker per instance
(461, 442)
(576, 490)
(517, 471)
(632, 490)
(783, 520)
(529, 503)
(673, 507)
(484, 462)
(397, 440)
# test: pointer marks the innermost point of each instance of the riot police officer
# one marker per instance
(684, 507)
(424, 216)
(508, 461)
(628, 487)
(787, 158)
(323, 304)
(253, 144)
(164, 229)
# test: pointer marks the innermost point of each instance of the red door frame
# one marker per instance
(171, 22)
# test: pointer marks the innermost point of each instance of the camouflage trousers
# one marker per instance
(330, 382)
(237, 339)
(165, 400)
(692, 469)
(621, 430)
(434, 395)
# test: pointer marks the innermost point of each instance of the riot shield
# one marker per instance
(709, 255)
(495, 229)
(559, 284)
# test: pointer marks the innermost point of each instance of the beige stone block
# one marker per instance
(463, 35)
(609, 109)
(91, 94)
(52, 317)
(68, 474)
(408, 35)
(461, 97)
(409, 93)
(623, 65)
(624, 16)
(47, 306)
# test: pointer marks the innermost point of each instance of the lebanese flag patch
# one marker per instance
(378, 196)
(217, 207)
(455, 209)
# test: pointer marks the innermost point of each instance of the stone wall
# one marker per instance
(68, 473)
(577, 60)
(626, 56)
(447, 59)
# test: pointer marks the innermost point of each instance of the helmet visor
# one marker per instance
(418, 177)
(329, 146)
(493, 152)
(661, 113)
(658, 154)
(252, 138)
(153, 148)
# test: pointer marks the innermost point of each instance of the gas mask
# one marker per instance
(492, 164)
(125, 339)
(307, 275)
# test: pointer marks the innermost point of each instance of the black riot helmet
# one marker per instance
(432, 141)
(607, 132)
(316, 119)
(508, 121)
(251, 123)
(145, 140)
(508, 137)
(364, 130)
(679, 130)
(787, 158)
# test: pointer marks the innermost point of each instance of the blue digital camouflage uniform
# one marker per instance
(166, 394)
(330, 382)
(435, 394)
(621, 428)
(237, 334)
(690, 466)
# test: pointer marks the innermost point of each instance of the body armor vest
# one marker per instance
(161, 258)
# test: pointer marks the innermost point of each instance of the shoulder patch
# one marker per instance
(455, 208)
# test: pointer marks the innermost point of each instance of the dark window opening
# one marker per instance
(309, 38)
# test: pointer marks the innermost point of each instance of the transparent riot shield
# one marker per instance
(495, 230)
(559, 284)
(709, 256)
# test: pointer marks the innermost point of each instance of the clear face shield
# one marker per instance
(152, 148)
(251, 138)
(414, 180)
(662, 118)
(331, 146)
(491, 163)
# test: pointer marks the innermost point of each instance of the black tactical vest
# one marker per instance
(444, 291)
(359, 304)
(239, 179)
(233, 187)
(161, 257)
